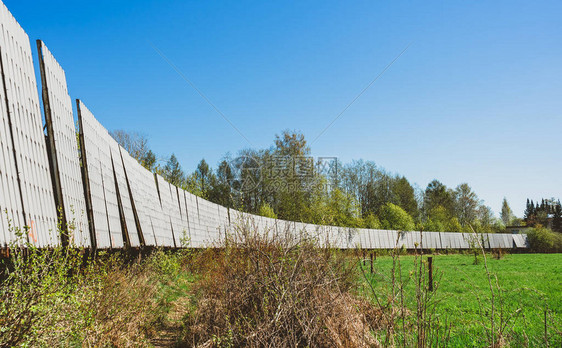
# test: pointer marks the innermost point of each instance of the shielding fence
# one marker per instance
(103, 198)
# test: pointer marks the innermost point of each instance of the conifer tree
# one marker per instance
(506, 213)
(557, 218)
(529, 217)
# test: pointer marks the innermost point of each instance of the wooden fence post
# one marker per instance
(430, 266)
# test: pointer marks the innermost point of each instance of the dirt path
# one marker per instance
(169, 335)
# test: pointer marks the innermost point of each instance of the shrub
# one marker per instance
(371, 221)
(267, 211)
(544, 240)
(395, 218)
(261, 291)
(59, 297)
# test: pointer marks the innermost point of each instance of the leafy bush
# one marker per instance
(59, 297)
(395, 218)
(544, 240)
(267, 211)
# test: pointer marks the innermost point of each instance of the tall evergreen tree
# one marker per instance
(530, 214)
(220, 191)
(203, 178)
(149, 160)
(557, 218)
(172, 172)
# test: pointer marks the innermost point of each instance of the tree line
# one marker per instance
(284, 181)
(547, 213)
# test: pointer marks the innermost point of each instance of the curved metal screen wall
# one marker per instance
(113, 199)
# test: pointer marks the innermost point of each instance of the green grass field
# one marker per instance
(529, 285)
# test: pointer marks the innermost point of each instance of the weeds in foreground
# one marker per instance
(253, 291)
(406, 325)
(60, 297)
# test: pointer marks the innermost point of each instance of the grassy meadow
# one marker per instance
(527, 287)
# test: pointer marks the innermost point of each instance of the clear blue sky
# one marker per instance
(476, 98)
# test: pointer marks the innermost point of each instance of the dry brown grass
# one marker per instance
(278, 292)
(122, 308)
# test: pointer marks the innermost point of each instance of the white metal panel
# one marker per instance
(401, 238)
(281, 227)
(186, 216)
(197, 230)
(55, 92)
(11, 211)
(203, 221)
(143, 191)
(434, 240)
(375, 239)
(495, 241)
(409, 239)
(371, 239)
(457, 239)
(416, 240)
(522, 241)
(484, 240)
(169, 210)
(508, 240)
(386, 239)
(362, 239)
(160, 220)
(518, 240)
(213, 228)
(300, 229)
(390, 240)
(28, 140)
(183, 236)
(454, 239)
(89, 129)
(224, 220)
(446, 240)
(193, 219)
(464, 241)
(177, 223)
(110, 190)
(366, 239)
(383, 240)
(206, 220)
(353, 238)
(101, 179)
(124, 196)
